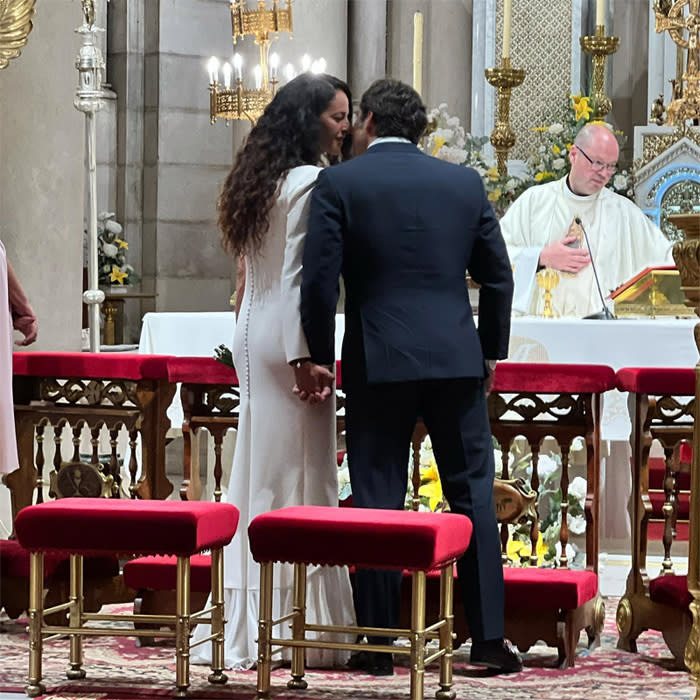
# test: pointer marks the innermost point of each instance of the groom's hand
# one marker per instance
(313, 382)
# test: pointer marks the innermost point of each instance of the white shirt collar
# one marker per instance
(388, 139)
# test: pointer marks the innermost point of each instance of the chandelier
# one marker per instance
(230, 99)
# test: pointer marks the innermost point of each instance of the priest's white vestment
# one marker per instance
(623, 242)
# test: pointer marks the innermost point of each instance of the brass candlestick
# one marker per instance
(599, 47)
(547, 279)
(505, 79)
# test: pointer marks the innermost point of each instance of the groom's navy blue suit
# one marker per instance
(403, 228)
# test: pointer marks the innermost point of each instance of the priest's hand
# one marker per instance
(314, 383)
(559, 256)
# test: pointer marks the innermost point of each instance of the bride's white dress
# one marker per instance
(285, 449)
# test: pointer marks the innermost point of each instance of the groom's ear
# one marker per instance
(370, 125)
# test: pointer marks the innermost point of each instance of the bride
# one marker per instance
(285, 449)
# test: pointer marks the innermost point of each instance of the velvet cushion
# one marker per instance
(115, 526)
(550, 378)
(160, 573)
(14, 561)
(93, 365)
(671, 590)
(675, 381)
(200, 370)
(535, 588)
(366, 537)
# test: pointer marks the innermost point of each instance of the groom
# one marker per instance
(403, 229)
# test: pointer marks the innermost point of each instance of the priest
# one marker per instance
(545, 227)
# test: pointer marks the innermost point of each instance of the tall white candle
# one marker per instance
(600, 13)
(507, 19)
(418, 52)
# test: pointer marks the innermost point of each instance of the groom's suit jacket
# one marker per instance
(403, 228)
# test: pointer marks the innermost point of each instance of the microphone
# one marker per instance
(604, 314)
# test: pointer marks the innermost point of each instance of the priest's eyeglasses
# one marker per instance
(598, 164)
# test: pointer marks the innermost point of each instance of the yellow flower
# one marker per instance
(541, 176)
(581, 107)
(568, 146)
(494, 195)
(439, 143)
(117, 275)
(121, 243)
(493, 173)
(539, 128)
(431, 488)
(517, 550)
(556, 149)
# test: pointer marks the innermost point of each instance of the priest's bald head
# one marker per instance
(593, 159)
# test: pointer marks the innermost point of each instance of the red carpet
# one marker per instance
(119, 670)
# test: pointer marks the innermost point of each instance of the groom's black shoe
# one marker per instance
(376, 664)
(496, 654)
(360, 661)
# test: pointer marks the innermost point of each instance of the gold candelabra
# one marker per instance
(505, 79)
(229, 101)
(599, 47)
(548, 279)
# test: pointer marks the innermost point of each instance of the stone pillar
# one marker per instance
(42, 178)
(366, 44)
(628, 88)
(446, 51)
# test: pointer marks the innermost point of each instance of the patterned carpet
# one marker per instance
(119, 670)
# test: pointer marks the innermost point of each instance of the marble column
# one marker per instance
(628, 75)
(42, 178)
(366, 44)
(446, 51)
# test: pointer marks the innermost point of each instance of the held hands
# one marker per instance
(28, 327)
(314, 383)
(560, 257)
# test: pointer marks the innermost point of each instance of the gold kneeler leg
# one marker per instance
(34, 686)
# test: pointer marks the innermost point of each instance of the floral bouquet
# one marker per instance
(111, 252)
(448, 141)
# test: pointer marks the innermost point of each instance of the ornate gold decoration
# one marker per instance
(599, 47)
(682, 197)
(505, 79)
(547, 279)
(674, 20)
(686, 255)
(237, 102)
(623, 617)
(15, 25)
(653, 145)
(83, 480)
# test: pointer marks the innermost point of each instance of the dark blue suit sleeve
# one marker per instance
(322, 264)
(490, 267)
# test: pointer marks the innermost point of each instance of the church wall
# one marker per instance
(42, 175)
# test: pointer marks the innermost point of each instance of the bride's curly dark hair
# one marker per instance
(287, 134)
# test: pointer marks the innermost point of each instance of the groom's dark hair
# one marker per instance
(397, 109)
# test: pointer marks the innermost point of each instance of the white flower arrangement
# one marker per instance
(111, 252)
